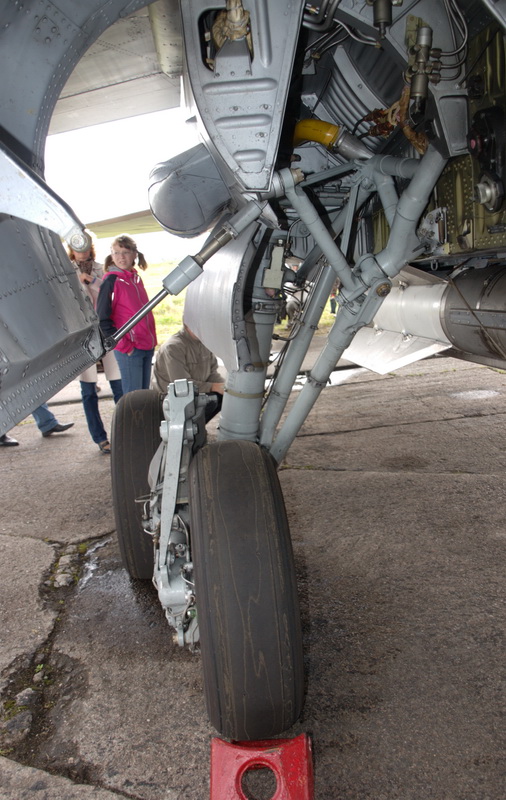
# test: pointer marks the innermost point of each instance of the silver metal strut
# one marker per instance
(357, 309)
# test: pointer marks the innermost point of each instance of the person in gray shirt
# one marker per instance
(184, 356)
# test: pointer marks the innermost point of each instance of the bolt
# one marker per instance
(383, 289)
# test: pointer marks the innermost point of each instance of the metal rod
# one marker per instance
(352, 316)
(112, 341)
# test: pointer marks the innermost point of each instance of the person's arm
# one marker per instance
(215, 375)
(94, 290)
(104, 306)
(215, 378)
(93, 284)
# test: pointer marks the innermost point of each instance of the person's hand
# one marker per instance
(84, 277)
(219, 388)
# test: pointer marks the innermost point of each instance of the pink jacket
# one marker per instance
(121, 295)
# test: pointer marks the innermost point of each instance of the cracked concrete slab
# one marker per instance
(67, 509)
(25, 623)
(128, 711)
(26, 783)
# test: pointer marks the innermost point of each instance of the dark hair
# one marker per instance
(128, 243)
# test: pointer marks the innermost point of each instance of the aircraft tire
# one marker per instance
(135, 437)
(245, 586)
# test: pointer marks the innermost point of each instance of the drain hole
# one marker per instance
(259, 783)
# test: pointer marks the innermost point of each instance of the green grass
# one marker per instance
(324, 325)
(169, 313)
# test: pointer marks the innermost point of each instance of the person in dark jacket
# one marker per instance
(121, 295)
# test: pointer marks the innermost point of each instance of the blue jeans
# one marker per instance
(135, 369)
(44, 418)
(90, 404)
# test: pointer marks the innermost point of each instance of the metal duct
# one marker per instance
(473, 313)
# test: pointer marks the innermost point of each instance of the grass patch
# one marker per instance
(11, 710)
(324, 325)
(169, 313)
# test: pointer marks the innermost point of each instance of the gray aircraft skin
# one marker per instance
(364, 142)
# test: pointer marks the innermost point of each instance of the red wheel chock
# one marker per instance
(289, 759)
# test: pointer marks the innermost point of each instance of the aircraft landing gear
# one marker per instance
(219, 553)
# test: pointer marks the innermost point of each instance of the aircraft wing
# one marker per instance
(133, 68)
(135, 223)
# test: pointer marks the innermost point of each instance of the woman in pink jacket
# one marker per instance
(121, 295)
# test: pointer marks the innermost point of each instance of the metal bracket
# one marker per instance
(273, 275)
(182, 429)
(25, 195)
(178, 407)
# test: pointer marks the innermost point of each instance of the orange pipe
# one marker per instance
(315, 130)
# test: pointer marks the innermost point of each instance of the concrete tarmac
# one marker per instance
(394, 489)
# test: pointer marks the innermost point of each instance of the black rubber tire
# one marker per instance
(135, 436)
(246, 591)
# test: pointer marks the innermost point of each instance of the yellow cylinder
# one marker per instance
(315, 130)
